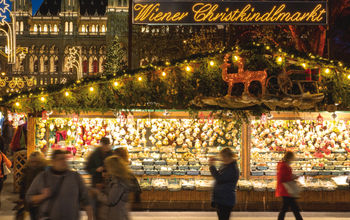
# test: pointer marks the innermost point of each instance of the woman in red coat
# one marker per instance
(284, 174)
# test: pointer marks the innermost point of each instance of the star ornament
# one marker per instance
(4, 6)
(72, 50)
(2, 19)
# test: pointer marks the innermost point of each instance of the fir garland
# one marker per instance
(173, 85)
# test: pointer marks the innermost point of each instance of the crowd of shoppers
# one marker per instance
(55, 192)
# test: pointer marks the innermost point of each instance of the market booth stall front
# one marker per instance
(169, 154)
(258, 100)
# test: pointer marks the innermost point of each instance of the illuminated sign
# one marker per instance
(229, 12)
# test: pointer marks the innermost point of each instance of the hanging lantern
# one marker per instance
(319, 119)
(75, 118)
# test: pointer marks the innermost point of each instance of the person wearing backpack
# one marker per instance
(59, 192)
(5, 164)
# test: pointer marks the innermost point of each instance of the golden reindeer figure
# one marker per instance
(243, 76)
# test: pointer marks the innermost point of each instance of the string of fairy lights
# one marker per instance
(188, 65)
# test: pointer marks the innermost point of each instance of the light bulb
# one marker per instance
(17, 104)
(279, 59)
(349, 76)
(327, 70)
(188, 68)
(91, 89)
(236, 58)
(163, 73)
(116, 84)
(267, 47)
(140, 78)
(304, 65)
(211, 63)
(66, 93)
(42, 99)
(3, 73)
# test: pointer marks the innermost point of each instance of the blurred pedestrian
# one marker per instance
(59, 192)
(115, 196)
(284, 178)
(95, 161)
(226, 178)
(35, 165)
(5, 165)
(123, 153)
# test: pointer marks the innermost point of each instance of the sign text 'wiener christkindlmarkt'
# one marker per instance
(229, 12)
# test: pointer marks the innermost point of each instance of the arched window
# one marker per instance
(45, 28)
(103, 29)
(71, 27)
(93, 28)
(83, 28)
(66, 26)
(85, 66)
(36, 66)
(55, 28)
(46, 66)
(35, 29)
(87, 28)
(97, 28)
(95, 66)
(39, 27)
(56, 66)
(17, 26)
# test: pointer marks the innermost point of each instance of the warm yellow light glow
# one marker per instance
(236, 58)
(163, 73)
(267, 47)
(185, 41)
(188, 68)
(349, 76)
(91, 89)
(140, 78)
(211, 63)
(340, 64)
(17, 104)
(279, 59)
(116, 84)
(42, 99)
(3, 73)
(66, 93)
(304, 65)
(327, 70)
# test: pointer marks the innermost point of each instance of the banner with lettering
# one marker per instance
(229, 12)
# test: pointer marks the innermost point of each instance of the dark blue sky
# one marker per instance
(36, 4)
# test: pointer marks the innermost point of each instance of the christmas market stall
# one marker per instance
(258, 100)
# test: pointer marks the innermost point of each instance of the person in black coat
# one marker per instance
(226, 178)
(95, 162)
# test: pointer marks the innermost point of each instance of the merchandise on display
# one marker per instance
(321, 147)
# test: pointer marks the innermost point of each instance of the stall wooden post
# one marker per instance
(30, 135)
(245, 150)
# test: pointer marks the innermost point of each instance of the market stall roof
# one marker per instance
(253, 77)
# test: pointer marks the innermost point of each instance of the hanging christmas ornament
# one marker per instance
(201, 118)
(44, 116)
(319, 119)
(263, 118)
(130, 119)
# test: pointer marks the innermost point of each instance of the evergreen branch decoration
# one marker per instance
(174, 85)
